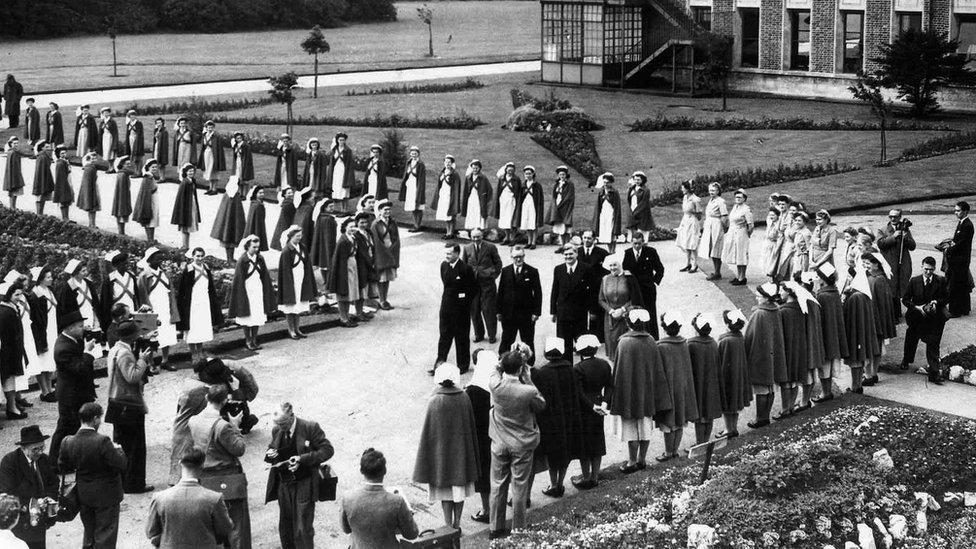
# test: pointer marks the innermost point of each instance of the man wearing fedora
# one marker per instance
(75, 364)
(27, 473)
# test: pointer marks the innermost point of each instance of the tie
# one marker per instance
(518, 271)
(37, 473)
(570, 271)
(927, 280)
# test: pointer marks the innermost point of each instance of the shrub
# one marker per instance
(528, 118)
(182, 107)
(460, 121)
(434, 87)
(521, 97)
(965, 357)
(750, 177)
(661, 123)
(940, 145)
(576, 149)
(370, 10)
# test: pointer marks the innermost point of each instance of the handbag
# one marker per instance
(124, 413)
(445, 537)
(68, 504)
(327, 482)
(232, 484)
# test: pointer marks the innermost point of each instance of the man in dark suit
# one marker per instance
(519, 302)
(925, 300)
(460, 288)
(298, 447)
(27, 473)
(643, 262)
(571, 299)
(188, 515)
(98, 464)
(957, 257)
(75, 363)
(487, 265)
(592, 255)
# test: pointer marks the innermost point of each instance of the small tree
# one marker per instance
(717, 68)
(425, 14)
(282, 90)
(916, 64)
(868, 90)
(112, 34)
(314, 44)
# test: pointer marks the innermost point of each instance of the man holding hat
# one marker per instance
(135, 140)
(108, 132)
(75, 363)
(28, 474)
(896, 243)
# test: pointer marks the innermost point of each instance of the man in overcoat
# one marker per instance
(644, 263)
(572, 296)
(896, 243)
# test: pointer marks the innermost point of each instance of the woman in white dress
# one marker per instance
(31, 364)
(801, 242)
(413, 190)
(296, 283)
(252, 297)
(196, 299)
(735, 250)
(771, 243)
(157, 294)
(447, 198)
(183, 143)
(690, 228)
(477, 193)
(13, 362)
(340, 176)
(531, 206)
(44, 312)
(713, 230)
(606, 215)
(508, 194)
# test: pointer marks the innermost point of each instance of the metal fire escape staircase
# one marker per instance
(669, 45)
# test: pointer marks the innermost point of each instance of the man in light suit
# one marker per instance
(514, 437)
(188, 515)
(98, 464)
(460, 288)
(298, 447)
(644, 263)
(572, 297)
(487, 265)
(519, 302)
(925, 300)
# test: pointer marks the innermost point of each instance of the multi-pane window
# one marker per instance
(622, 34)
(800, 40)
(593, 34)
(703, 16)
(853, 41)
(552, 29)
(966, 33)
(749, 34)
(909, 22)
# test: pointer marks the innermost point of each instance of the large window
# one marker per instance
(622, 34)
(749, 24)
(800, 40)
(966, 33)
(909, 21)
(575, 32)
(853, 59)
(593, 34)
(703, 16)
(552, 30)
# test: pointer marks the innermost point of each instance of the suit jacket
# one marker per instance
(959, 253)
(594, 258)
(97, 465)
(648, 270)
(187, 516)
(522, 296)
(485, 262)
(917, 294)
(514, 405)
(572, 296)
(76, 374)
(18, 478)
(313, 450)
(460, 287)
(374, 517)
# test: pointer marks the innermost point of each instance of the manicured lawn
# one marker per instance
(477, 30)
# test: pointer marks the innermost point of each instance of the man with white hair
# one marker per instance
(483, 258)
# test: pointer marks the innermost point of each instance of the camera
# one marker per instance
(97, 336)
(234, 407)
(903, 224)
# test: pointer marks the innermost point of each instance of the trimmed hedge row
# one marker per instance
(938, 146)
(196, 105)
(434, 87)
(460, 121)
(661, 123)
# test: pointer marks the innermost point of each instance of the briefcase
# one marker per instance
(327, 482)
(444, 537)
(68, 504)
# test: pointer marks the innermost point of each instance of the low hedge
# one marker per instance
(196, 105)
(751, 177)
(938, 146)
(433, 87)
(661, 123)
(529, 119)
(577, 149)
(460, 121)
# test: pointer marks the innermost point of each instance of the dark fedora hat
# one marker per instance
(127, 330)
(71, 317)
(31, 435)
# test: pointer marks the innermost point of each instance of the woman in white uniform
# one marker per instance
(296, 283)
(508, 194)
(158, 295)
(183, 143)
(735, 250)
(252, 297)
(44, 311)
(477, 193)
(340, 176)
(413, 190)
(196, 299)
(531, 206)
(713, 233)
(690, 228)
(606, 214)
(19, 300)
(447, 199)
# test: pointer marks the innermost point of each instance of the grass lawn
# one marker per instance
(463, 31)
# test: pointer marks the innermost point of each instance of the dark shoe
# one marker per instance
(22, 403)
(665, 457)
(684, 269)
(693, 269)
(294, 336)
(12, 415)
(870, 382)
(480, 516)
(802, 408)
(735, 282)
(936, 381)
(478, 340)
(641, 465)
(756, 424)
(492, 340)
(783, 415)
(145, 489)
(498, 534)
(50, 397)
(713, 277)
(430, 372)
(822, 399)
(905, 366)
(555, 491)
(251, 347)
(348, 323)
(858, 391)
(628, 469)
(728, 434)
(558, 250)
(386, 306)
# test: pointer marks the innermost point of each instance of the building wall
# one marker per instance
(771, 34)
(877, 30)
(823, 36)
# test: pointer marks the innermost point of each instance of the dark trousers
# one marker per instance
(524, 328)
(483, 310)
(132, 438)
(37, 544)
(68, 424)
(296, 514)
(959, 288)
(569, 329)
(456, 329)
(932, 337)
(101, 526)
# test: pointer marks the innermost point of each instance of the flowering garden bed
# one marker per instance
(894, 474)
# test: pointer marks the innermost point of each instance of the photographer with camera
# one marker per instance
(126, 407)
(895, 241)
(74, 359)
(926, 299)
(240, 384)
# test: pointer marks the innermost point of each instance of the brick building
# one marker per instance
(792, 47)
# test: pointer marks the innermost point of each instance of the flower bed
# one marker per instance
(661, 123)
(938, 146)
(809, 487)
(542, 115)
(961, 365)
(576, 149)
(460, 121)
(751, 177)
(434, 87)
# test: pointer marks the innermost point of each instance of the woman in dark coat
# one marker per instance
(531, 206)
(413, 188)
(243, 162)
(186, 207)
(89, 198)
(476, 198)
(146, 209)
(676, 360)
(834, 330)
(366, 248)
(13, 176)
(478, 391)
(341, 176)
(286, 215)
(639, 200)
(347, 276)
(619, 292)
(765, 351)
(561, 422)
(595, 378)
(296, 282)
(641, 390)
(606, 213)
(63, 195)
(229, 223)
(304, 208)
(196, 300)
(324, 234)
(122, 200)
(252, 296)
(447, 457)
(54, 125)
(43, 177)
(447, 197)
(256, 224)
(374, 180)
(561, 208)
(860, 322)
(815, 344)
(884, 308)
(386, 236)
(12, 353)
(735, 392)
(705, 370)
(316, 168)
(796, 348)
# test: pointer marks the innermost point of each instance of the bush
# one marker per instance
(182, 107)
(661, 123)
(750, 177)
(965, 357)
(521, 97)
(460, 121)
(529, 119)
(576, 149)
(940, 145)
(434, 87)
(370, 10)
